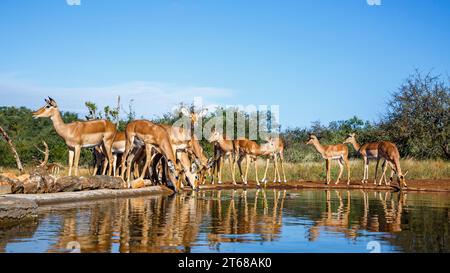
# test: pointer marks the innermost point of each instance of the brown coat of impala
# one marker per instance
(152, 135)
(367, 151)
(389, 152)
(118, 148)
(337, 152)
(80, 134)
(250, 150)
(182, 143)
(222, 148)
(278, 152)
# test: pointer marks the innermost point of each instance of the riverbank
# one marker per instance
(425, 185)
(19, 207)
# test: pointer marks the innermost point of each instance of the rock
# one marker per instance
(71, 183)
(14, 210)
(38, 182)
(140, 183)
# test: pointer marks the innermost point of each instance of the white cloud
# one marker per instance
(149, 98)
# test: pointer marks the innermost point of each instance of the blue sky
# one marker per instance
(318, 59)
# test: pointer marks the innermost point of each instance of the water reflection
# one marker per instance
(255, 221)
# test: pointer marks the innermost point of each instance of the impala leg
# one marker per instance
(77, 159)
(247, 159)
(383, 176)
(220, 169)
(256, 172)
(341, 170)
(366, 170)
(233, 176)
(105, 162)
(148, 158)
(239, 164)
(114, 164)
(71, 156)
(391, 178)
(282, 166)
(277, 171)
(328, 163)
(128, 146)
(347, 164)
(376, 170)
(107, 145)
(264, 180)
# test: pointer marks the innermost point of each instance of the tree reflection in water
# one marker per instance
(215, 220)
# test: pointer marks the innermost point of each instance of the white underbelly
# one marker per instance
(118, 151)
(90, 145)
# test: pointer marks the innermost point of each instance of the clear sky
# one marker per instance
(317, 59)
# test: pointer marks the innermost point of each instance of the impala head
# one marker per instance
(215, 136)
(312, 139)
(48, 110)
(193, 115)
(350, 138)
(401, 178)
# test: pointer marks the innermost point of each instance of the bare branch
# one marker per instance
(13, 149)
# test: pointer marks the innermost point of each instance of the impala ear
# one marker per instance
(52, 102)
(185, 112)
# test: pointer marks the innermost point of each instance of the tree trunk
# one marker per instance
(446, 151)
(13, 149)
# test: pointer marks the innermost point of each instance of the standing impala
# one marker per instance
(278, 151)
(337, 152)
(80, 134)
(389, 152)
(222, 148)
(153, 136)
(118, 148)
(367, 151)
(250, 150)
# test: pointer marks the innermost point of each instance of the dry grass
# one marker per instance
(315, 171)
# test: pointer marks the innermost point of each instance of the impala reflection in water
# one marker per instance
(242, 221)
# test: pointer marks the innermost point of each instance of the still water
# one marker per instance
(242, 221)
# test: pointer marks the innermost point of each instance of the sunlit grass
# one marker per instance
(424, 169)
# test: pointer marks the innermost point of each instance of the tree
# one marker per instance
(418, 117)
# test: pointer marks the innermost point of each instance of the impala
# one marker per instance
(153, 136)
(367, 151)
(118, 148)
(250, 150)
(80, 134)
(337, 152)
(222, 148)
(182, 145)
(389, 152)
(278, 151)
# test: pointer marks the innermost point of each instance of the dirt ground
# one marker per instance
(441, 185)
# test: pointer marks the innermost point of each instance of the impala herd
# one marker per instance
(173, 155)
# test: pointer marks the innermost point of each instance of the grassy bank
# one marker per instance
(425, 169)
(315, 171)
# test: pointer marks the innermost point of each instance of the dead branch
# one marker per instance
(46, 154)
(13, 149)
